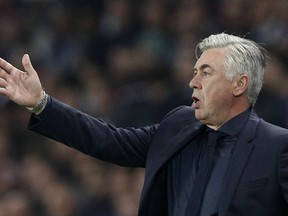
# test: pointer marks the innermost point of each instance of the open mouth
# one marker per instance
(196, 102)
(195, 99)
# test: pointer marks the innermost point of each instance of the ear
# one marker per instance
(240, 84)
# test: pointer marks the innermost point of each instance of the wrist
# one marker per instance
(41, 104)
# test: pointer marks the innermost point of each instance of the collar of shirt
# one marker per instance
(235, 125)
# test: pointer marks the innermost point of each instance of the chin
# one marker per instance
(198, 115)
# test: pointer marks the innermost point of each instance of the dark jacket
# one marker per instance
(257, 177)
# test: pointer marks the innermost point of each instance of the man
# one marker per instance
(248, 173)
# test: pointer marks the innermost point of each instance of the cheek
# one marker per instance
(217, 96)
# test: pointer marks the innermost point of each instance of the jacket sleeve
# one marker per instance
(93, 136)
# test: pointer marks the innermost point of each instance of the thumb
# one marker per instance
(27, 64)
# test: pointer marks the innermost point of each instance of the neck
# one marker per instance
(231, 114)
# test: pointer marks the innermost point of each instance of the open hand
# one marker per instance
(22, 87)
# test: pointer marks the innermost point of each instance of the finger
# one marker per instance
(3, 83)
(3, 91)
(6, 66)
(27, 64)
(3, 87)
(3, 74)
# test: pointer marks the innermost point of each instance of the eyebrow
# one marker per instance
(202, 67)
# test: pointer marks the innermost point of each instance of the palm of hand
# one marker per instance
(24, 88)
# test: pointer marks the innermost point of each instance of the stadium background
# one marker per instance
(128, 62)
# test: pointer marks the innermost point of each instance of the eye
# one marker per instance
(194, 73)
(205, 73)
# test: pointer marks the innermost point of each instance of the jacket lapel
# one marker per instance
(177, 142)
(161, 155)
(239, 159)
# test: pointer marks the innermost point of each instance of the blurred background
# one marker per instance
(128, 62)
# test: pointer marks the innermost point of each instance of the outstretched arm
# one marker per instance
(22, 87)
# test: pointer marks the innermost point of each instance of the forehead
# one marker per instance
(214, 58)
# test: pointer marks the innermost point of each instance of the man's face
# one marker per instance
(212, 91)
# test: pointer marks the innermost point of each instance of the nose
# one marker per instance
(195, 82)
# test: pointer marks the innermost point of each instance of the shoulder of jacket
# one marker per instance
(181, 110)
(183, 115)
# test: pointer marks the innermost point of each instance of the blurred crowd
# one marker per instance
(128, 62)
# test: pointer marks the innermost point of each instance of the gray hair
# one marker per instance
(243, 57)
